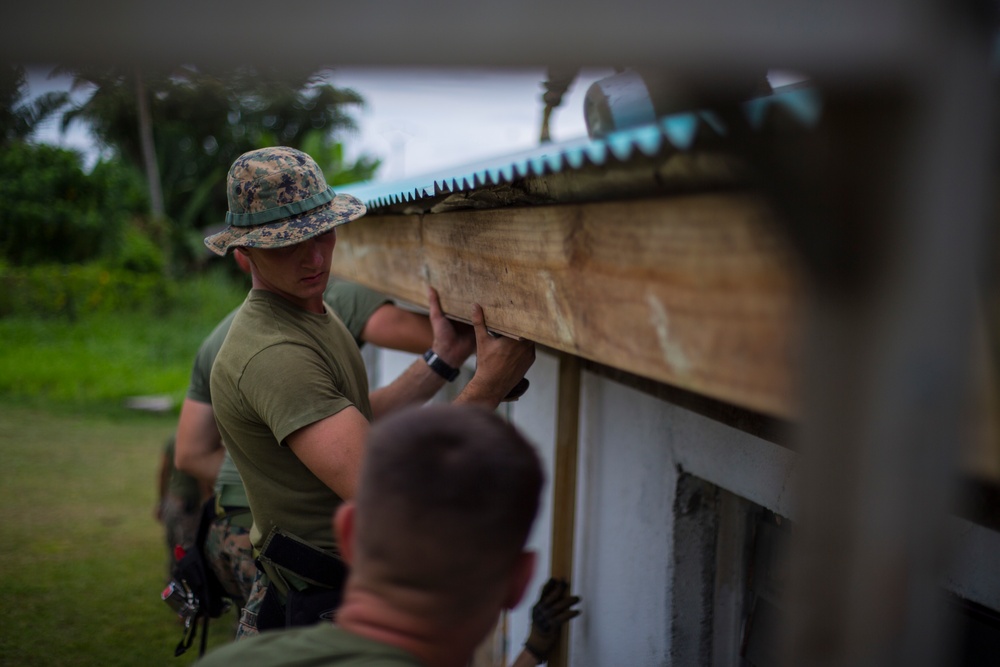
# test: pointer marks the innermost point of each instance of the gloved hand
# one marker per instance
(553, 609)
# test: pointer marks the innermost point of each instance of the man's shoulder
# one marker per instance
(316, 646)
(268, 340)
(254, 325)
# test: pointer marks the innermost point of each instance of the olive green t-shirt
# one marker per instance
(323, 645)
(353, 304)
(282, 368)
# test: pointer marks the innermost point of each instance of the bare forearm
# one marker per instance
(204, 467)
(482, 393)
(199, 451)
(415, 386)
(397, 329)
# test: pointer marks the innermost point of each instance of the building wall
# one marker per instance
(638, 554)
(624, 532)
(628, 470)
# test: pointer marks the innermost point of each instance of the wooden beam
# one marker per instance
(564, 484)
(565, 466)
(696, 291)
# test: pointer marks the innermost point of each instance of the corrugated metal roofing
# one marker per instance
(670, 134)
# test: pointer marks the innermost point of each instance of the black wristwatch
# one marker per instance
(440, 366)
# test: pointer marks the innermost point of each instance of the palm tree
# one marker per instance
(19, 118)
(201, 120)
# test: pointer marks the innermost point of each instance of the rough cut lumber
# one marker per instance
(699, 291)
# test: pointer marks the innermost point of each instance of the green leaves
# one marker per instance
(18, 116)
(203, 119)
(55, 212)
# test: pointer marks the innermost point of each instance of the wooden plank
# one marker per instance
(384, 253)
(696, 291)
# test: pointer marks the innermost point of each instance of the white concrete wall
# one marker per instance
(625, 493)
(631, 445)
(627, 478)
(632, 449)
(535, 416)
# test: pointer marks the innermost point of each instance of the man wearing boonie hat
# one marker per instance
(371, 317)
(289, 388)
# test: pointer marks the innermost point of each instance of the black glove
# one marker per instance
(553, 609)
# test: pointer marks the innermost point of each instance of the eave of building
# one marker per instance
(645, 251)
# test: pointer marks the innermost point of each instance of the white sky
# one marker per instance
(419, 121)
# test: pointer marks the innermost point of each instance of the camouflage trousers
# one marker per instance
(300, 615)
(230, 555)
(248, 616)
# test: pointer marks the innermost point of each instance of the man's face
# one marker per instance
(298, 272)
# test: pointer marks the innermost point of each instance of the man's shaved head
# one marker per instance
(446, 500)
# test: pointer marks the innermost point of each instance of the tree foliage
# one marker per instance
(54, 212)
(203, 119)
(18, 116)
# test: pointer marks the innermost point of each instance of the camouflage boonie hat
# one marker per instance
(279, 197)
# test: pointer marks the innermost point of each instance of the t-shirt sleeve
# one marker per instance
(199, 389)
(354, 304)
(288, 387)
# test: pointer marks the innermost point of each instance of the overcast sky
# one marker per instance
(419, 121)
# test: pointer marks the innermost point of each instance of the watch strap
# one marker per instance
(440, 366)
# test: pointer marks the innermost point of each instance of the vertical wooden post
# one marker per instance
(564, 482)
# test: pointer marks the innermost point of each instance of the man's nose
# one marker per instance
(313, 255)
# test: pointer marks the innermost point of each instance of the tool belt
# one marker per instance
(313, 579)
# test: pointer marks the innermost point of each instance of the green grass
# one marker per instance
(82, 560)
(98, 360)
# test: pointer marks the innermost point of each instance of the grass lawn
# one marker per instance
(82, 559)
(98, 359)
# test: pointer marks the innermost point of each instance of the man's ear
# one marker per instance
(524, 569)
(242, 258)
(343, 528)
